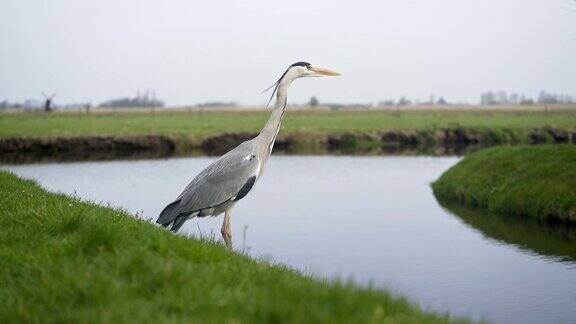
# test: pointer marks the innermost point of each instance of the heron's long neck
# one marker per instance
(268, 134)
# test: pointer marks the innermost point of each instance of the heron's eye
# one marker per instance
(309, 67)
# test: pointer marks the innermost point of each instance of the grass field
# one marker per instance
(296, 122)
(67, 261)
(535, 181)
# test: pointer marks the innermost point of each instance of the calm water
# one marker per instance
(373, 219)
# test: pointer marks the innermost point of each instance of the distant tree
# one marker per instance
(314, 102)
(404, 102)
(488, 98)
(338, 106)
(441, 102)
(216, 104)
(387, 102)
(146, 99)
(527, 101)
(552, 98)
(514, 98)
(501, 97)
(547, 98)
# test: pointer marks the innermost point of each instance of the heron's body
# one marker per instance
(219, 186)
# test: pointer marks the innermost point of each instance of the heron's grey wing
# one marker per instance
(221, 181)
(229, 178)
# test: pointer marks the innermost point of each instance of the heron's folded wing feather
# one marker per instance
(220, 181)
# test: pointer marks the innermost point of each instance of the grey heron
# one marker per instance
(219, 186)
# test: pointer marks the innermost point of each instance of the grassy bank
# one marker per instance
(534, 181)
(213, 133)
(295, 122)
(64, 260)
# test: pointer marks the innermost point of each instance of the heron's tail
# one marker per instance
(173, 215)
(169, 214)
(178, 222)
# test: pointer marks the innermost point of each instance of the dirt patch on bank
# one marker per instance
(87, 144)
(220, 144)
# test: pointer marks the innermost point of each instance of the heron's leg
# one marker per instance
(226, 231)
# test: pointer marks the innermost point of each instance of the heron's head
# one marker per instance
(300, 70)
(305, 69)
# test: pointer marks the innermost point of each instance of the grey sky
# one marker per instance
(192, 52)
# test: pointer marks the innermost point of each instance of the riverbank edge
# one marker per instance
(528, 181)
(67, 260)
(298, 142)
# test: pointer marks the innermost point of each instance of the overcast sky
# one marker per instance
(191, 51)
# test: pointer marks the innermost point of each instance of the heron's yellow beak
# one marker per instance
(323, 71)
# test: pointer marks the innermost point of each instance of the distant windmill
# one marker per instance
(48, 103)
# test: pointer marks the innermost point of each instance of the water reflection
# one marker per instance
(556, 241)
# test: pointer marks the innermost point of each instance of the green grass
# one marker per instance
(296, 122)
(535, 181)
(68, 261)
